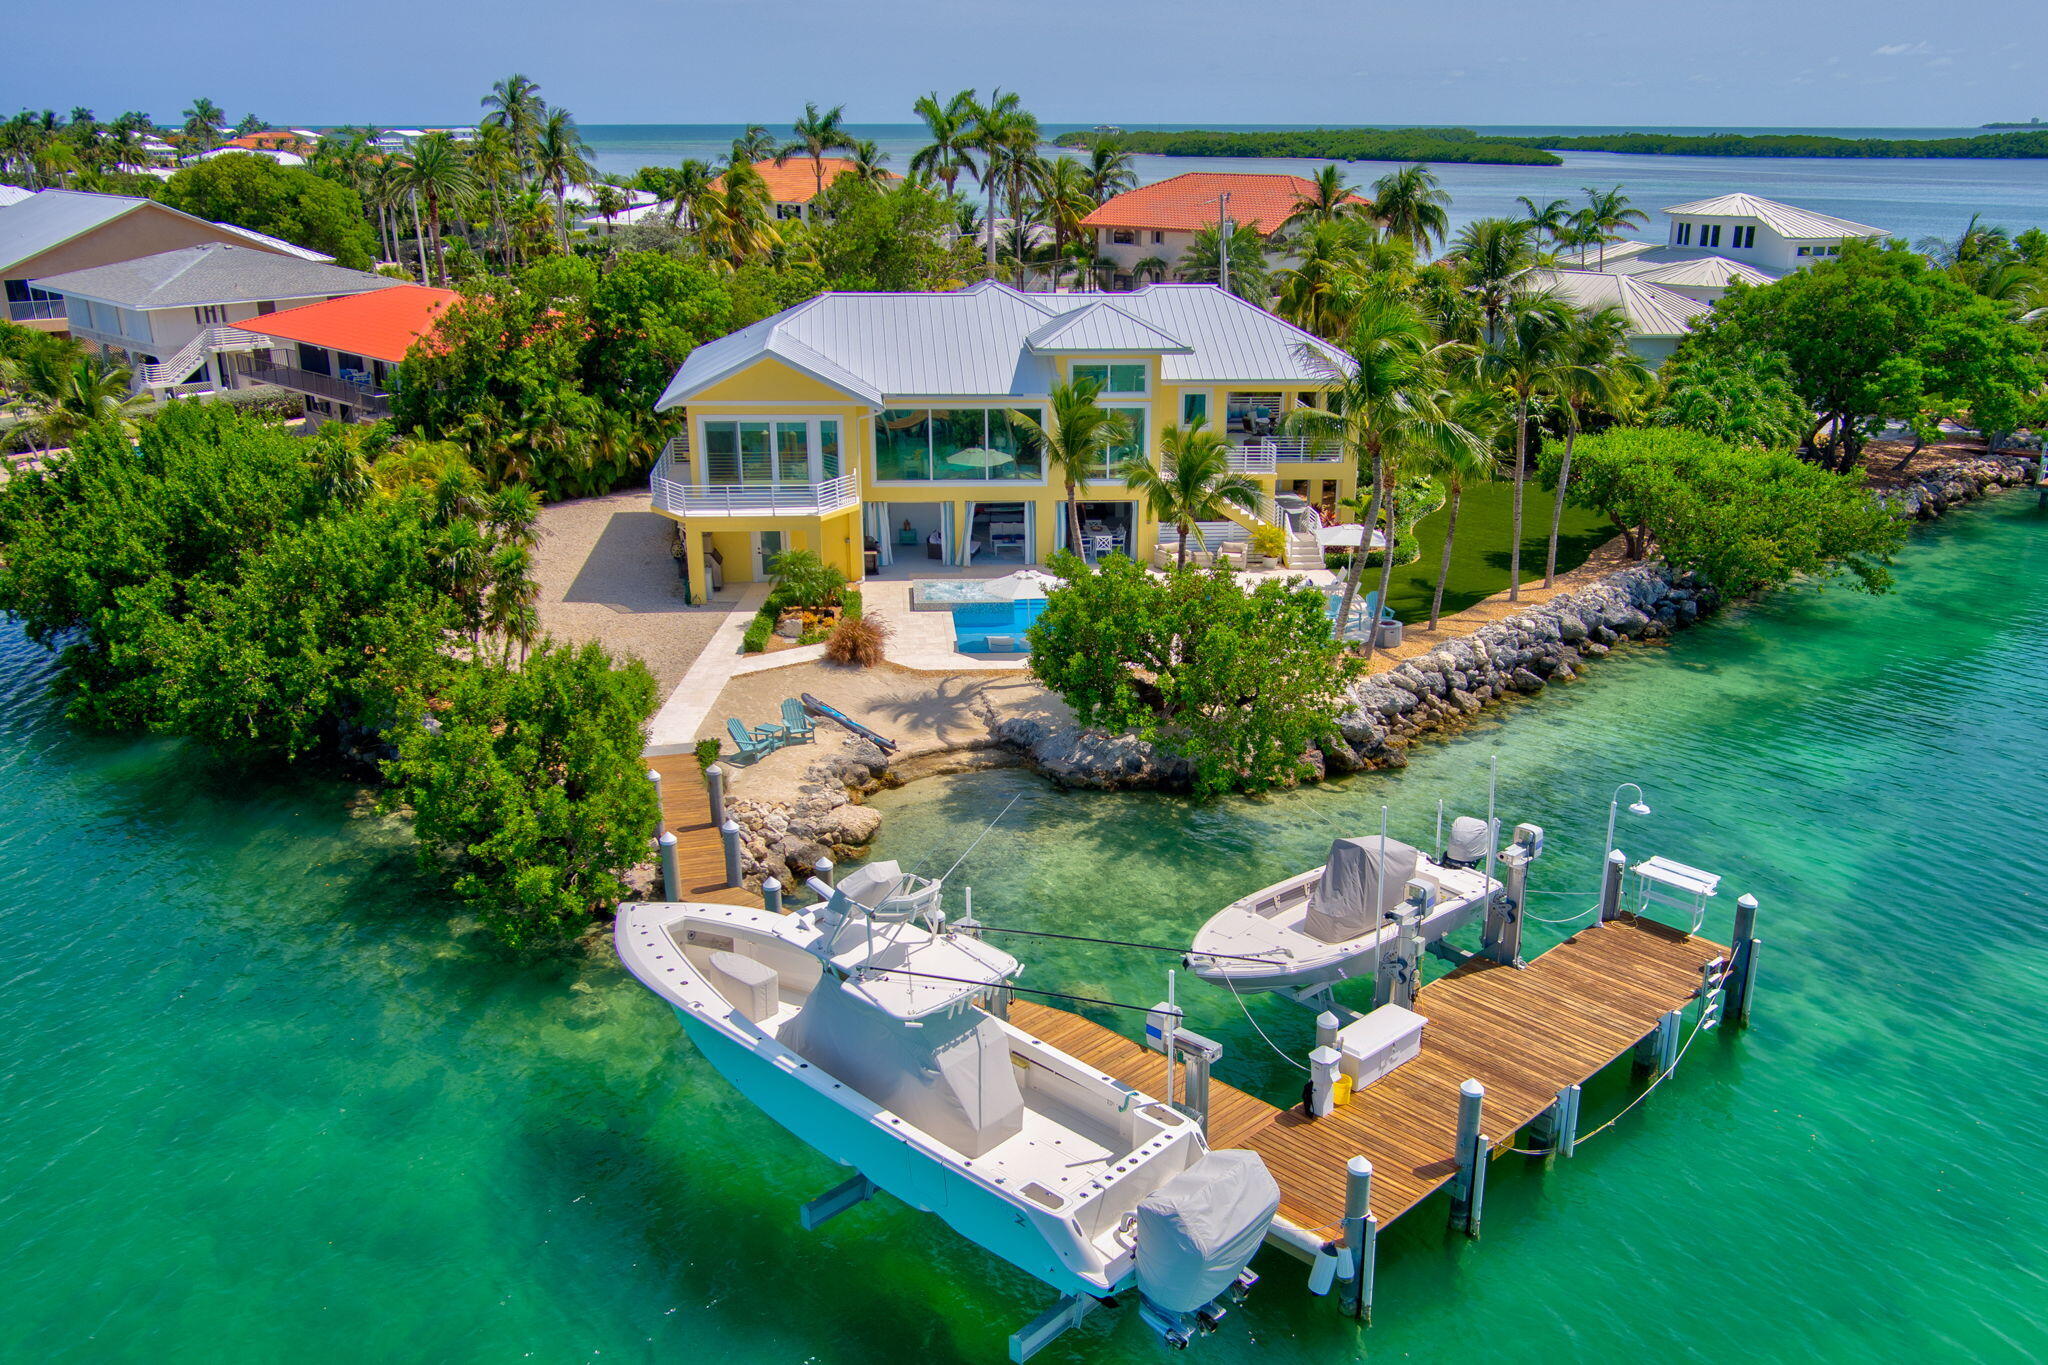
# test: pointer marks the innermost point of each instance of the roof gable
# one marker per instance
(1100, 327)
(1786, 220)
(1651, 309)
(50, 218)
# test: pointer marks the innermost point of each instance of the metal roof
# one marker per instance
(13, 194)
(1783, 219)
(1651, 309)
(50, 218)
(977, 342)
(215, 273)
(1701, 272)
(1102, 327)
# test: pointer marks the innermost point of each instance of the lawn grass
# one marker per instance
(1479, 559)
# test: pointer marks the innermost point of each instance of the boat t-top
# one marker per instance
(876, 1031)
(1333, 923)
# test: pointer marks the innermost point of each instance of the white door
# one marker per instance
(767, 545)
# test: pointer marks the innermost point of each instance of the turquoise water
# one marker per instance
(1910, 198)
(265, 1100)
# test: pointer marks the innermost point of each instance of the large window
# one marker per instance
(748, 450)
(30, 305)
(1113, 378)
(1194, 407)
(974, 444)
(1132, 448)
(1710, 234)
(1685, 234)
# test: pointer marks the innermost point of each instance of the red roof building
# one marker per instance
(342, 353)
(793, 184)
(1144, 232)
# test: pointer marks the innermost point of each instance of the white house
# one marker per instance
(1711, 243)
(1658, 317)
(171, 316)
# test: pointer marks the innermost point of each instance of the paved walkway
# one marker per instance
(675, 725)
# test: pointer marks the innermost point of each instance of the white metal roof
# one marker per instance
(1783, 219)
(1651, 309)
(977, 342)
(13, 194)
(1701, 272)
(1100, 327)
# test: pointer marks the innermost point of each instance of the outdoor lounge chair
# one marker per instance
(758, 743)
(796, 722)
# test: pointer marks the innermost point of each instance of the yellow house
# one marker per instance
(881, 431)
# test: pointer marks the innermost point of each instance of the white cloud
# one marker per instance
(1903, 50)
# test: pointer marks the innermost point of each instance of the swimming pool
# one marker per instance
(995, 627)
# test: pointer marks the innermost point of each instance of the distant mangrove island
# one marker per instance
(1444, 145)
(1986, 146)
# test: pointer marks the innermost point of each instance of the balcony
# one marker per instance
(365, 400)
(678, 497)
(1259, 454)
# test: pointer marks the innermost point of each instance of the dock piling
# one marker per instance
(771, 896)
(1610, 885)
(1742, 971)
(1469, 1184)
(1568, 1120)
(730, 833)
(1326, 1029)
(1399, 973)
(1361, 1236)
(1501, 940)
(660, 811)
(1323, 1081)
(826, 872)
(671, 879)
(714, 782)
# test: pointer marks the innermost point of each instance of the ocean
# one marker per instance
(267, 1099)
(1911, 198)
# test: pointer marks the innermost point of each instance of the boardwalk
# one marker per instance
(700, 856)
(1524, 1034)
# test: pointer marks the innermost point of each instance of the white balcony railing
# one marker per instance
(1260, 453)
(684, 499)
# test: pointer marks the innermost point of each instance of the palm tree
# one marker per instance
(1411, 202)
(1202, 262)
(1522, 359)
(558, 152)
(515, 105)
(817, 134)
(1368, 406)
(67, 390)
(1063, 201)
(951, 128)
(737, 220)
(1194, 482)
(1481, 410)
(1076, 443)
(1493, 255)
(1327, 199)
(1553, 221)
(203, 123)
(755, 144)
(1006, 135)
(494, 159)
(609, 201)
(1595, 368)
(1110, 169)
(869, 163)
(1606, 213)
(1335, 265)
(439, 173)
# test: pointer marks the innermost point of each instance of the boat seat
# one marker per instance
(751, 987)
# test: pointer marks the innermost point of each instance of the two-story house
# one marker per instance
(1710, 244)
(884, 429)
(171, 317)
(1144, 232)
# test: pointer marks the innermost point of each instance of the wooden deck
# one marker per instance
(700, 854)
(1524, 1034)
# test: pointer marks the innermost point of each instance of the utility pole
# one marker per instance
(1223, 241)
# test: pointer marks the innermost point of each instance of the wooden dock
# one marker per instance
(1524, 1033)
(686, 811)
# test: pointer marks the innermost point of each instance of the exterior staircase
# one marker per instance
(208, 340)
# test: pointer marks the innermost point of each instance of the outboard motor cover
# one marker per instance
(1469, 838)
(1198, 1231)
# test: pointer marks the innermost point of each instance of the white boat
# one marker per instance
(1334, 923)
(861, 1026)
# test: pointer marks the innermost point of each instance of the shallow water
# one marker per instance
(260, 1103)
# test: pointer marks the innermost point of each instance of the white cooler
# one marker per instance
(1371, 1047)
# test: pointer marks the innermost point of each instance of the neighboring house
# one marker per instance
(280, 155)
(343, 354)
(877, 427)
(1711, 243)
(793, 184)
(1158, 222)
(1658, 317)
(13, 194)
(641, 207)
(274, 140)
(170, 317)
(55, 232)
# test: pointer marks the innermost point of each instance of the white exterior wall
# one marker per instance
(1779, 255)
(1127, 255)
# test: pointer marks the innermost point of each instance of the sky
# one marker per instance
(1728, 63)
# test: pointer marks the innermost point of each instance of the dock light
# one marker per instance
(1636, 807)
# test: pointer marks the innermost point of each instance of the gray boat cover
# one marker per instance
(951, 1078)
(1468, 841)
(1198, 1231)
(871, 883)
(1344, 905)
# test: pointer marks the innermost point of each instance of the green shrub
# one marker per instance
(850, 604)
(707, 752)
(758, 631)
(804, 580)
(1267, 540)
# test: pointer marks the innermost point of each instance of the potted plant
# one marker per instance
(1269, 547)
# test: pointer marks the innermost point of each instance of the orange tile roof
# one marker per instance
(381, 324)
(1188, 202)
(267, 140)
(795, 181)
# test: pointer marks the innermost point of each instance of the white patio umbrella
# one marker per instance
(1348, 537)
(1024, 585)
(980, 457)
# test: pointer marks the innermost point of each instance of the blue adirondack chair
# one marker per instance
(755, 744)
(797, 722)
